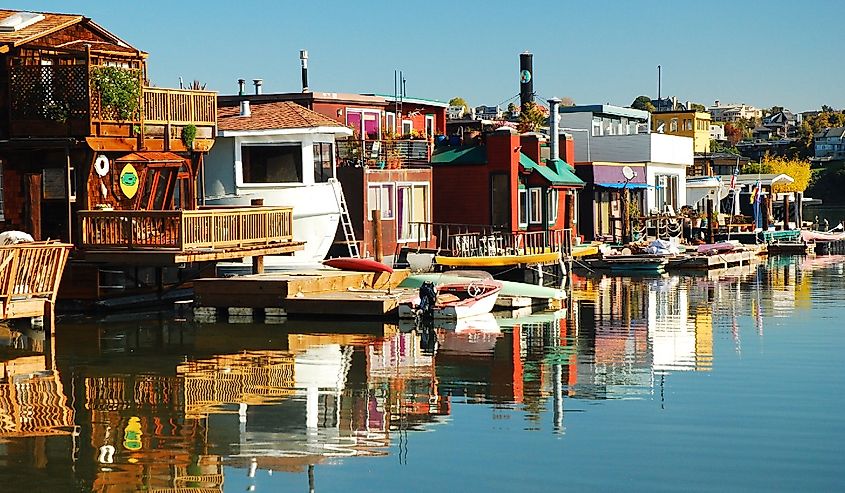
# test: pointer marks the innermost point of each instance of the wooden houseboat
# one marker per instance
(92, 154)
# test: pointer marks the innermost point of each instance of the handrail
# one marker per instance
(463, 240)
(31, 270)
(186, 230)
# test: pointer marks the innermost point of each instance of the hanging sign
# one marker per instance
(101, 165)
(129, 181)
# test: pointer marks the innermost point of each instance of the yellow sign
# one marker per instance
(129, 181)
(132, 433)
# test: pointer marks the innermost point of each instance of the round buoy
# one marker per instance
(101, 165)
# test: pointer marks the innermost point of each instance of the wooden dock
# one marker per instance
(715, 261)
(316, 292)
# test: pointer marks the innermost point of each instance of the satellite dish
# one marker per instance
(628, 173)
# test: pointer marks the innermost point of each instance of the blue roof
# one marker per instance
(631, 186)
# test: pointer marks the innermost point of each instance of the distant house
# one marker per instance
(488, 113)
(717, 132)
(588, 121)
(503, 182)
(686, 123)
(732, 112)
(782, 124)
(757, 149)
(830, 144)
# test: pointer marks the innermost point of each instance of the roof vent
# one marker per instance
(19, 20)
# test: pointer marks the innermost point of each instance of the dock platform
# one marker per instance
(716, 261)
(322, 292)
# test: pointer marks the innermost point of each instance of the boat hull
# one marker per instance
(458, 309)
(498, 261)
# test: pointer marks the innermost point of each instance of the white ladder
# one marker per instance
(346, 221)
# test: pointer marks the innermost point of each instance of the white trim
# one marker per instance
(380, 185)
(428, 204)
(535, 192)
(286, 131)
(522, 204)
(433, 120)
(410, 129)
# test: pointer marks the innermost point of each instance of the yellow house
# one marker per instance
(689, 123)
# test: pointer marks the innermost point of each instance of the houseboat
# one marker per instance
(281, 154)
(93, 154)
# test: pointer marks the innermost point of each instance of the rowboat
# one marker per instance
(628, 263)
(457, 300)
(357, 264)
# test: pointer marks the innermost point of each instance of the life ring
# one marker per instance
(101, 165)
(474, 290)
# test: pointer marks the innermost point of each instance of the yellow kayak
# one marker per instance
(498, 260)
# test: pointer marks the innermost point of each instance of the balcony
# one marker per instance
(61, 101)
(168, 237)
(384, 153)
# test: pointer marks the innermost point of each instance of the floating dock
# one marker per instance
(715, 261)
(321, 292)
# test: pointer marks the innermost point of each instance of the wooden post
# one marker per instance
(49, 335)
(785, 212)
(33, 202)
(799, 212)
(766, 207)
(711, 230)
(258, 264)
(376, 216)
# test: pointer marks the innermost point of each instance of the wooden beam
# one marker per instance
(33, 190)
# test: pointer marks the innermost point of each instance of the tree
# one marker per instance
(697, 107)
(827, 109)
(567, 101)
(643, 103)
(512, 111)
(774, 110)
(798, 169)
(532, 118)
(733, 133)
(459, 101)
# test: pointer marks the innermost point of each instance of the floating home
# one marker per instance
(94, 155)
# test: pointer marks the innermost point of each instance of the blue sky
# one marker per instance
(777, 52)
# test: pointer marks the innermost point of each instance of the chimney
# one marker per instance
(526, 79)
(303, 56)
(717, 103)
(257, 83)
(241, 83)
(674, 103)
(530, 144)
(554, 130)
(245, 111)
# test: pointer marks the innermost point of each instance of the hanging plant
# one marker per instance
(189, 133)
(119, 90)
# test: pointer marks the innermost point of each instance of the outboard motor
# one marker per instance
(428, 297)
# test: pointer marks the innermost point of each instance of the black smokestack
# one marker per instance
(526, 79)
(303, 56)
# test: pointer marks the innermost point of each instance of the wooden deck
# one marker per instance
(717, 261)
(326, 292)
(151, 238)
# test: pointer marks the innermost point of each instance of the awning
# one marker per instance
(631, 186)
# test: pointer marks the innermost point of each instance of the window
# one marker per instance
(390, 122)
(407, 127)
(429, 126)
(535, 209)
(673, 125)
(687, 124)
(380, 198)
(523, 207)
(323, 162)
(666, 192)
(553, 206)
(272, 164)
(412, 206)
(365, 123)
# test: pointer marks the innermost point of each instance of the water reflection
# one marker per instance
(149, 403)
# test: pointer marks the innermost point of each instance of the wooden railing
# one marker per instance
(31, 270)
(186, 230)
(179, 106)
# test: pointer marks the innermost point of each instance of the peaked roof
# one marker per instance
(49, 24)
(831, 132)
(274, 115)
(556, 172)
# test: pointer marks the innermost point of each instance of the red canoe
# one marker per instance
(357, 264)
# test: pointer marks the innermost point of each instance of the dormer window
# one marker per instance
(19, 20)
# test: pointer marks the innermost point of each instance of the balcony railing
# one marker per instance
(469, 240)
(383, 153)
(49, 99)
(186, 230)
(31, 270)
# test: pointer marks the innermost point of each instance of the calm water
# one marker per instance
(719, 382)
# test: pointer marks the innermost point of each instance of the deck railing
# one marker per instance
(179, 107)
(31, 270)
(383, 153)
(465, 240)
(186, 230)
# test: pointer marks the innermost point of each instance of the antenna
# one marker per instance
(658, 85)
(628, 173)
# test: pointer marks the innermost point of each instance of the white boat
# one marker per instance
(458, 300)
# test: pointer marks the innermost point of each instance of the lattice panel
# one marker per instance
(48, 92)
